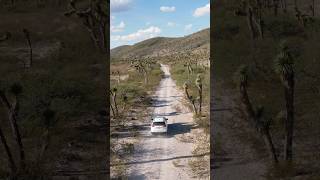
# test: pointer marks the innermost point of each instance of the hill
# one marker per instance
(163, 46)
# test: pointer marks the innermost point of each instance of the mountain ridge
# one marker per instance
(163, 46)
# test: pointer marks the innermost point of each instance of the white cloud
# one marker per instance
(167, 9)
(188, 27)
(118, 28)
(120, 5)
(140, 35)
(112, 19)
(201, 11)
(171, 24)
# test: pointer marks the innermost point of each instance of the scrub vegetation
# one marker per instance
(272, 46)
(52, 93)
(132, 83)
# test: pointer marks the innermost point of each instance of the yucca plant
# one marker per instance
(8, 151)
(199, 86)
(16, 90)
(284, 66)
(111, 105)
(254, 115)
(94, 18)
(114, 98)
(189, 97)
(12, 110)
(3, 139)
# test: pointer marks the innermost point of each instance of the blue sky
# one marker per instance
(133, 21)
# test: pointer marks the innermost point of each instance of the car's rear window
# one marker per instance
(159, 123)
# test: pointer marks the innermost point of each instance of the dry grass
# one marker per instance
(201, 165)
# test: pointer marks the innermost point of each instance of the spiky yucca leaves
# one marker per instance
(284, 63)
(241, 75)
(284, 66)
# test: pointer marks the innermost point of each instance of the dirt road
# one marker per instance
(160, 156)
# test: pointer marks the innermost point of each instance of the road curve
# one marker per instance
(165, 157)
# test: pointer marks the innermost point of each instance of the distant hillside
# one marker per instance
(161, 46)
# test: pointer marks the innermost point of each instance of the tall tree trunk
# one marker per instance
(275, 7)
(268, 141)
(90, 28)
(250, 22)
(246, 103)
(115, 103)
(251, 115)
(200, 100)
(192, 101)
(112, 109)
(194, 106)
(284, 6)
(187, 93)
(14, 126)
(313, 7)
(27, 35)
(11, 162)
(16, 131)
(103, 36)
(289, 96)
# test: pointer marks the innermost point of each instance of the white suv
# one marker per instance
(159, 125)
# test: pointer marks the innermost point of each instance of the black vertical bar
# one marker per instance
(107, 91)
(211, 90)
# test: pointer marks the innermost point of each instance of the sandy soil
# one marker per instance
(165, 156)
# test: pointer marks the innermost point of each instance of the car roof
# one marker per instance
(159, 119)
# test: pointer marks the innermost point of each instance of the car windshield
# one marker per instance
(159, 123)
